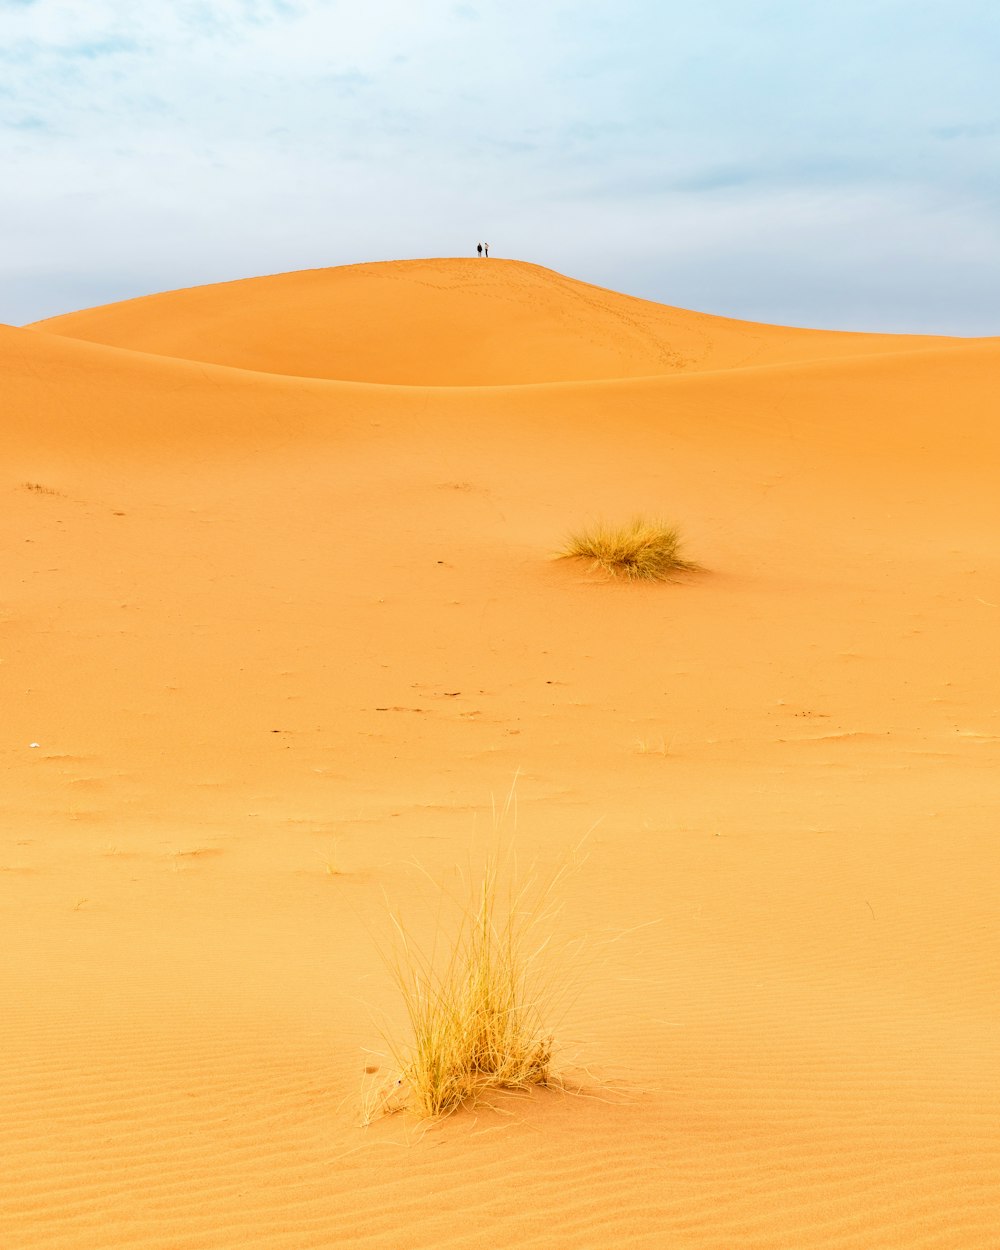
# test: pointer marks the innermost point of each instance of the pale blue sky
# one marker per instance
(805, 161)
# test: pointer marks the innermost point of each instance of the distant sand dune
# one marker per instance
(446, 323)
(278, 596)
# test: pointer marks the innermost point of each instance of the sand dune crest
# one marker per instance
(446, 323)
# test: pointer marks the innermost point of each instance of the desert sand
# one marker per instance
(280, 615)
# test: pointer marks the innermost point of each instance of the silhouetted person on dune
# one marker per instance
(479, 249)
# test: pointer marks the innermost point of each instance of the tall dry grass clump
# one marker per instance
(478, 1000)
(474, 1016)
(641, 550)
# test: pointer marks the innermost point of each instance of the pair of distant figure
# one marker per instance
(483, 249)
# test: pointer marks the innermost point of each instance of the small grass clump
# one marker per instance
(38, 489)
(474, 1002)
(642, 550)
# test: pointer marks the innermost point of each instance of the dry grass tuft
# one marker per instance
(38, 489)
(642, 550)
(475, 999)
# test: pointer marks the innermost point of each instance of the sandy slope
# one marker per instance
(447, 323)
(257, 624)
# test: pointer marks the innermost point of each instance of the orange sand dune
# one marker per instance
(446, 323)
(260, 626)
